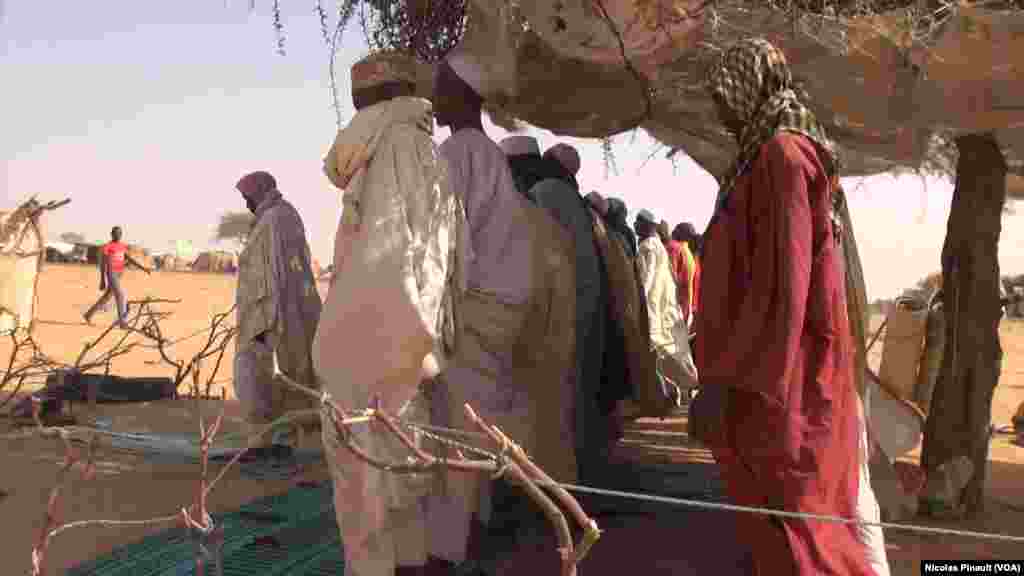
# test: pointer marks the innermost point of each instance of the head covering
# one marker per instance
(663, 231)
(383, 68)
(520, 146)
(684, 232)
(467, 67)
(256, 185)
(616, 219)
(598, 202)
(528, 170)
(566, 155)
(754, 81)
(646, 216)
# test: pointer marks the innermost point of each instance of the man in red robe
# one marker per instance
(774, 340)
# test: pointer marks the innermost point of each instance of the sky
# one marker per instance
(145, 114)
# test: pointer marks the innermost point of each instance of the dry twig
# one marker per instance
(511, 462)
(52, 515)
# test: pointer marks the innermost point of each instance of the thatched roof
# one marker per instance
(891, 87)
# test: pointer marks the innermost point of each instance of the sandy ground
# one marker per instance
(128, 487)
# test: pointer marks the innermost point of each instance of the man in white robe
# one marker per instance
(669, 334)
(381, 333)
(515, 337)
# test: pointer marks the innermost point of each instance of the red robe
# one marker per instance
(696, 283)
(680, 271)
(774, 330)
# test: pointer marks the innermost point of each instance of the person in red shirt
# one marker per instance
(686, 266)
(775, 351)
(113, 259)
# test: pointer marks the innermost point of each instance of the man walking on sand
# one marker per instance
(113, 258)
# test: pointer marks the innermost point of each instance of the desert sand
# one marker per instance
(130, 487)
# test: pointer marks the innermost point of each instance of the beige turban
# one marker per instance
(383, 68)
(566, 155)
(520, 145)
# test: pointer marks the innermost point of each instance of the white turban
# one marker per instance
(520, 145)
(467, 67)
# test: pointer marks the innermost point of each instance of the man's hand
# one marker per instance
(103, 286)
(706, 420)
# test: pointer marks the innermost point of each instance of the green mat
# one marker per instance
(292, 533)
(296, 533)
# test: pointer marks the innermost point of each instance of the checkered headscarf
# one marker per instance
(753, 79)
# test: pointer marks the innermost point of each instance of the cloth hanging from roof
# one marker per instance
(21, 251)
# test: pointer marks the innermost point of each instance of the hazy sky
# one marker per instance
(147, 113)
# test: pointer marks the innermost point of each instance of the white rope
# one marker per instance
(114, 523)
(786, 514)
(502, 461)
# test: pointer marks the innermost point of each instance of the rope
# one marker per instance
(682, 502)
(700, 504)
(501, 459)
(115, 523)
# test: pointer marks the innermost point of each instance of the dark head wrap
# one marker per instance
(616, 219)
(256, 188)
(684, 232)
(256, 185)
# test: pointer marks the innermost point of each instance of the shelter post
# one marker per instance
(961, 408)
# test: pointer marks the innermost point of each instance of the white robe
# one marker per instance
(669, 334)
(513, 383)
(384, 315)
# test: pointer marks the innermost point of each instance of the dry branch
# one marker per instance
(52, 515)
(35, 366)
(511, 462)
(27, 363)
(219, 335)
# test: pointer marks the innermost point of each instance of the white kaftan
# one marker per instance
(669, 334)
(394, 253)
(505, 362)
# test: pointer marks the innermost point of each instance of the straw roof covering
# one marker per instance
(890, 87)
